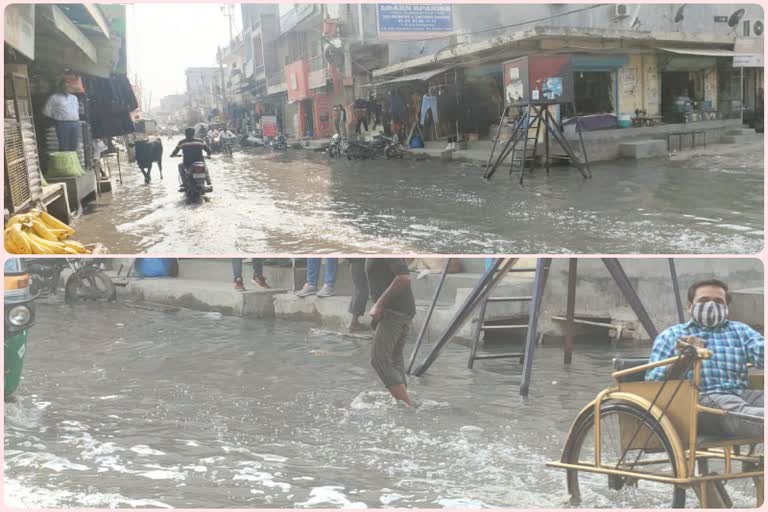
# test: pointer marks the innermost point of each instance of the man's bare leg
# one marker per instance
(400, 392)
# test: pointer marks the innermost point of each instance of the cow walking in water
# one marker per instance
(147, 153)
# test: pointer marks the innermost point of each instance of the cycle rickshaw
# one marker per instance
(649, 444)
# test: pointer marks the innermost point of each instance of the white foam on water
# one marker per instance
(270, 457)
(460, 503)
(16, 414)
(42, 461)
(21, 496)
(163, 474)
(307, 478)
(251, 474)
(329, 495)
(386, 499)
(373, 400)
(143, 449)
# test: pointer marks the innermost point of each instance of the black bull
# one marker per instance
(147, 153)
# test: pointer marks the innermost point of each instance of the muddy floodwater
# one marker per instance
(299, 202)
(126, 407)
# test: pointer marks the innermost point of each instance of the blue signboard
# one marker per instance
(414, 19)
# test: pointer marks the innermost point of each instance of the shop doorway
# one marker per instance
(307, 116)
(594, 92)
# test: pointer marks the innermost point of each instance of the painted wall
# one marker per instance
(639, 85)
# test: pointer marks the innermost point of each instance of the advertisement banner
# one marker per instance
(414, 21)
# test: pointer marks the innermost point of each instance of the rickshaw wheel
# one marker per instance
(652, 454)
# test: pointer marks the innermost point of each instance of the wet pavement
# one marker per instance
(137, 408)
(299, 202)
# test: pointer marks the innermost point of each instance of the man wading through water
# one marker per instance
(393, 310)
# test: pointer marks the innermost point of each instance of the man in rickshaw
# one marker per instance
(724, 380)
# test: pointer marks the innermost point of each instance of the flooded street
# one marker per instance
(299, 202)
(187, 409)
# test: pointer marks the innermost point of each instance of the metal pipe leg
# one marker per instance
(539, 282)
(570, 311)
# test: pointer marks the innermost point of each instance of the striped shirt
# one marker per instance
(733, 345)
(62, 107)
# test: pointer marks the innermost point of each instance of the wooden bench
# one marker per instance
(56, 201)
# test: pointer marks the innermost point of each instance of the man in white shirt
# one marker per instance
(64, 109)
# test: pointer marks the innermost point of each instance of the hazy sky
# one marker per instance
(165, 39)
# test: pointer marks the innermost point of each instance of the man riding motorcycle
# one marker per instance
(192, 149)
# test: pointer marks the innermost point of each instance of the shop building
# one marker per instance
(84, 45)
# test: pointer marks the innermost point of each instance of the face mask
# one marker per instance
(709, 314)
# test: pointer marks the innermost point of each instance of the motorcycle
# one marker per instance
(279, 143)
(193, 182)
(334, 148)
(88, 280)
(226, 146)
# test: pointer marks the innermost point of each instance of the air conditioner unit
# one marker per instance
(752, 28)
(621, 10)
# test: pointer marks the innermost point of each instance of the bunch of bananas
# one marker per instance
(38, 232)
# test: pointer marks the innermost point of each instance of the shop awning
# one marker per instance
(598, 62)
(69, 29)
(87, 16)
(709, 52)
(416, 77)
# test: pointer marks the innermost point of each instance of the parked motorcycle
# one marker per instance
(88, 280)
(379, 146)
(279, 143)
(334, 148)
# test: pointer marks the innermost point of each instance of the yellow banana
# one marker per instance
(35, 246)
(18, 219)
(18, 239)
(76, 246)
(55, 223)
(9, 247)
(60, 234)
(69, 250)
(53, 247)
(41, 230)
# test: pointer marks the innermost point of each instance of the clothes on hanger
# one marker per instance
(427, 103)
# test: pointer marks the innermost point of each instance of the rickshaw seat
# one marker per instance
(620, 363)
(705, 441)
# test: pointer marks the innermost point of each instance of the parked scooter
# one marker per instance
(88, 280)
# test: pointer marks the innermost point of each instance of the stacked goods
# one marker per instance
(38, 232)
(62, 164)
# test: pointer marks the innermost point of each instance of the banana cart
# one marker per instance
(651, 444)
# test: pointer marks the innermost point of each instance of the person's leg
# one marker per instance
(237, 273)
(258, 267)
(359, 295)
(313, 273)
(258, 273)
(329, 278)
(61, 135)
(74, 135)
(385, 340)
(748, 402)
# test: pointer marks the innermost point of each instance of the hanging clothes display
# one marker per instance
(111, 102)
(428, 103)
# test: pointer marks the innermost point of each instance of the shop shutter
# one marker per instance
(17, 178)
